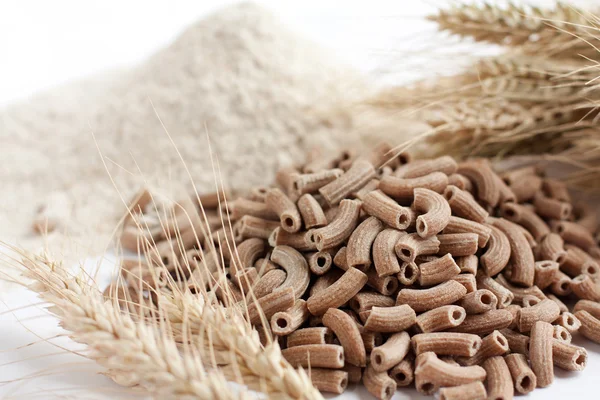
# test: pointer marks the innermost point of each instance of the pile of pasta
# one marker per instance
(393, 273)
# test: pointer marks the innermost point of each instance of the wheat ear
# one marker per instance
(553, 32)
(133, 353)
(223, 334)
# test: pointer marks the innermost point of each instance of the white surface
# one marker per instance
(46, 43)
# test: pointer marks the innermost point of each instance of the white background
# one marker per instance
(46, 43)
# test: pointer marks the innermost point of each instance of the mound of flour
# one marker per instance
(238, 79)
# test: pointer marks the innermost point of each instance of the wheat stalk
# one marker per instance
(554, 32)
(134, 354)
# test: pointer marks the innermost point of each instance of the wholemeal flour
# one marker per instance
(238, 79)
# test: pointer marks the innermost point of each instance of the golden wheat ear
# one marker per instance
(153, 356)
(562, 31)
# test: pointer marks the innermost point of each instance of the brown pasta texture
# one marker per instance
(379, 205)
(432, 373)
(285, 322)
(458, 244)
(310, 183)
(552, 248)
(540, 353)
(402, 189)
(590, 325)
(524, 379)
(390, 319)
(573, 233)
(437, 271)
(436, 212)
(479, 301)
(427, 299)
(403, 373)
(483, 324)
(569, 357)
(523, 268)
(296, 267)
(446, 343)
(359, 174)
(311, 212)
(464, 205)
(348, 334)
(527, 218)
(315, 355)
(494, 344)
(285, 208)
(483, 179)
(441, 318)
(358, 251)
(384, 256)
(379, 384)
(546, 311)
(338, 293)
(390, 353)
(497, 252)
(329, 380)
(592, 307)
(462, 225)
(340, 228)
(444, 164)
(410, 246)
(311, 335)
(469, 391)
(499, 380)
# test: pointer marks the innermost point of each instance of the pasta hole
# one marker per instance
(560, 228)
(296, 186)
(403, 158)
(378, 360)
(263, 190)
(591, 270)
(509, 212)
(581, 360)
(406, 253)
(560, 258)
(501, 341)
(391, 285)
(282, 323)
(402, 219)
(428, 387)
(341, 356)
(321, 261)
(289, 222)
(457, 314)
(165, 260)
(449, 194)
(389, 392)
(361, 267)
(526, 383)
(344, 383)
(564, 286)
(421, 226)
(563, 335)
(409, 273)
(400, 376)
(486, 299)
(570, 320)
(196, 257)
